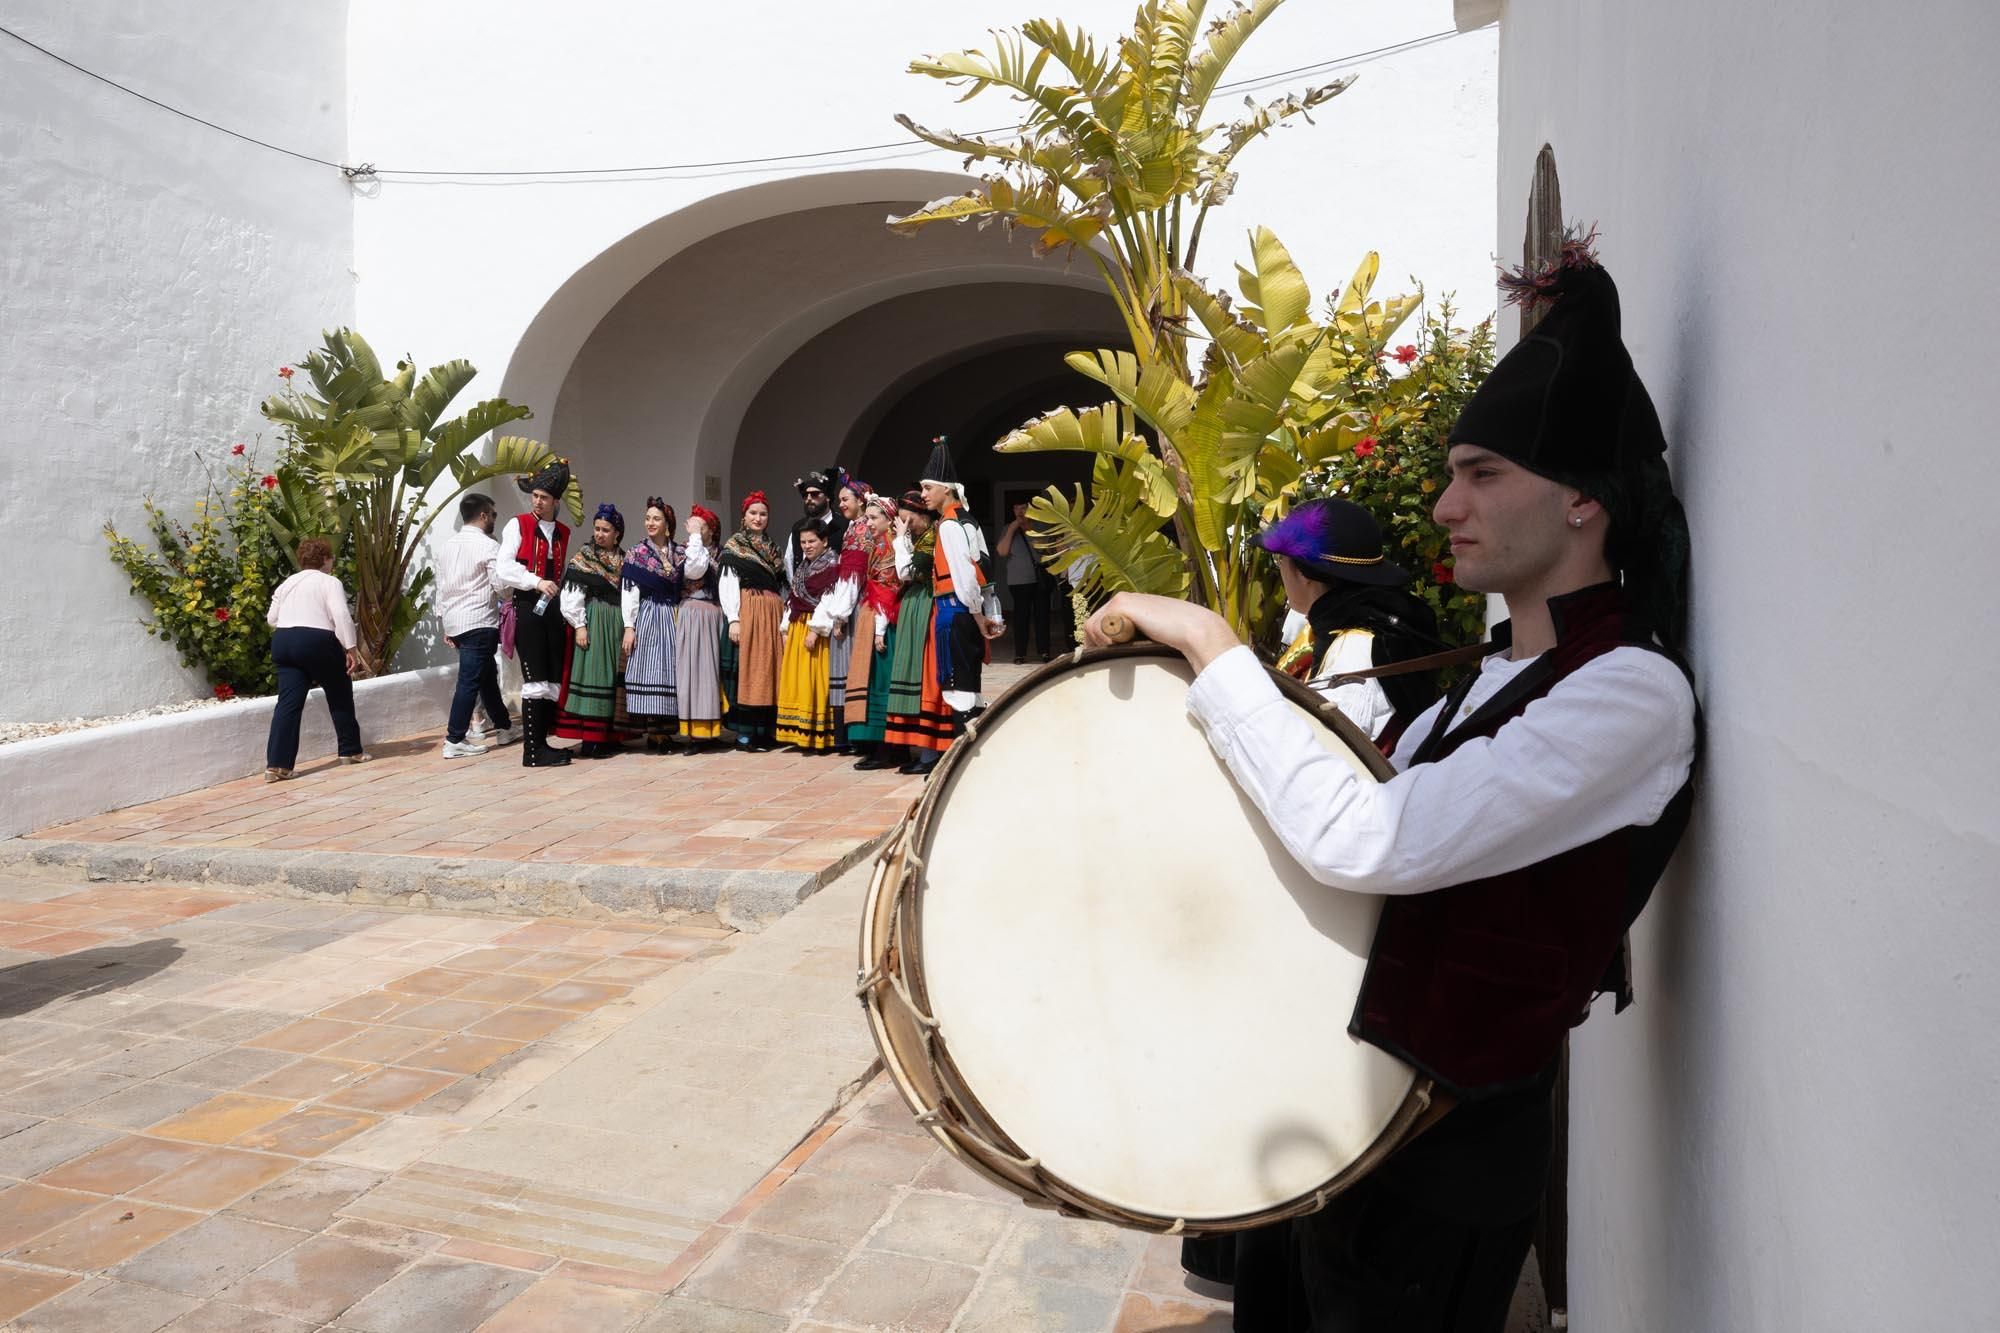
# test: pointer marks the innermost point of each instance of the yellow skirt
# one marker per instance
(805, 719)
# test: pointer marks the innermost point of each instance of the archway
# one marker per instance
(777, 328)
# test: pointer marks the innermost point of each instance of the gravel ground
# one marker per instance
(27, 731)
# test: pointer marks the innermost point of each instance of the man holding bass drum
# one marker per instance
(1535, 807)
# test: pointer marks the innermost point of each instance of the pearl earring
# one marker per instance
(1575, 521)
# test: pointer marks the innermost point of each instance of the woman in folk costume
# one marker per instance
(840, 604)
(868, 674)
(918, 717)
(699, 630)
(587, 709)
(804, 719)
(650, 589)
(751, 591)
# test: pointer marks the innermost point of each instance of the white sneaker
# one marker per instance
(462, 749)
(508, 736)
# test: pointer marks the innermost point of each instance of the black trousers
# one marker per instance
(539, 643)
(305, 658)
(1031, 610)
(1430, 1242)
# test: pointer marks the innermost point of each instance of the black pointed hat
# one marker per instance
(1567, 403)
(554, 479)
(940, 470)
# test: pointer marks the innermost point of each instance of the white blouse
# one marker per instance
(312, 599)
(1607, 747)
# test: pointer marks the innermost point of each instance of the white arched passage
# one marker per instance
(645, 365)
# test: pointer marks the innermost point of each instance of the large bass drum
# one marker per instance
(1100, 980)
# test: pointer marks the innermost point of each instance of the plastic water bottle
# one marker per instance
(541, 604)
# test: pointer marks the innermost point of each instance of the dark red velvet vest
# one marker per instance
(543, 559)
(1477, 983)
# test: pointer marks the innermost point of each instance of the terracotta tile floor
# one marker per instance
(213, 1107)
(720, 810)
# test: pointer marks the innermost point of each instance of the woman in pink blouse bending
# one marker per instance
(312, 643)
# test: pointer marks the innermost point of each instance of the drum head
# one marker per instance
(1131, 976)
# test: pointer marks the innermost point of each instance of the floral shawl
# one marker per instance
(881, 588)
(811, 581)
(596, 571)
(749, 548)
(656, 574)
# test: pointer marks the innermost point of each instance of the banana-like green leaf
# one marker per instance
(1101, 429)
(1355, 294)
(429, 398)
(516, 455)
(1107, 544)
(1237, 339)
(1275, 295)
(1225, 38)
(455, 437)
(1241, 133)
(1093, 69)
(1153, 389)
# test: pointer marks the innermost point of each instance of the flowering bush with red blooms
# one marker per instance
(198, 575)
(1398, 463)
(284, 372)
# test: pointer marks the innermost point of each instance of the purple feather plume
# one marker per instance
(1529, 286)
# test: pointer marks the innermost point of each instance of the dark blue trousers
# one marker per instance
(478, 682)
(305, 658)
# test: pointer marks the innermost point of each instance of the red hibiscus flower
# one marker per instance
(1366, 447)
(222, 613)
(237, 449)
(284, 372)
(224, 692)
(1441, 572)
(1406, 354)
(269, 483)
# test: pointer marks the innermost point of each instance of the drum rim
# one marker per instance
(954, 1089)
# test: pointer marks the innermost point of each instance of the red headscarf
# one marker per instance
(754, 498)
(708, 518)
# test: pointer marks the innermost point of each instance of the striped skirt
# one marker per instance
(860, 668)
(868, 709)
(588, 708)
(917, 713)
(699, 634)
(804, 719)
(750, 668)
(649, 671)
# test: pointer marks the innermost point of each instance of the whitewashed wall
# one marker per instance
(156, 275)
(1793, 1131)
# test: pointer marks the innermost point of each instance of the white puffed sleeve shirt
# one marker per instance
(1608, 746)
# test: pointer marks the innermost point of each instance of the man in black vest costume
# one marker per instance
(1536, 806)
(534, 548)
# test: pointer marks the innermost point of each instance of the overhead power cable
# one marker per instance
(366, 170)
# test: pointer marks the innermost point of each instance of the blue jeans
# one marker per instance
(305, 658)
(478, 681)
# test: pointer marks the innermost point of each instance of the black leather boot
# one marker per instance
(536, 752)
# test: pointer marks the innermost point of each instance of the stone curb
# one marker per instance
(745, 900)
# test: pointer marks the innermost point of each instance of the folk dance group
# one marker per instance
(864, 633)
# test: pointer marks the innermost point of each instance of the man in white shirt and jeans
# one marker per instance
(468, 582)
(1535, 807)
